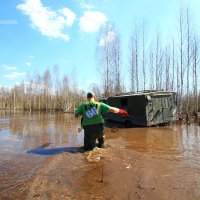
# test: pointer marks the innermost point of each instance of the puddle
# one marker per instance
(164, 140)
(30, 131)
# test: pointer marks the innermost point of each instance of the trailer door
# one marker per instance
(157, 109)
(167, 112)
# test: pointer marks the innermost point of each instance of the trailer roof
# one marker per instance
(151, 93)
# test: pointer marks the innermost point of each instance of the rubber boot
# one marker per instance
(101, 143)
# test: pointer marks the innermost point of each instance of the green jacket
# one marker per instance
(92, 112)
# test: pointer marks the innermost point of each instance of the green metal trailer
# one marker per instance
(147, 108)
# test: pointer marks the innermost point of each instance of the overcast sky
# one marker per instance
(39, 34)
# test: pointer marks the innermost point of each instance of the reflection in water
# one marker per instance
(32, 130)
(190, 139)
(174, 139)
(152, 140)
(36, 129)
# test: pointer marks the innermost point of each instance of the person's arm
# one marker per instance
(78, 112)
(118, 111)
(106, 108)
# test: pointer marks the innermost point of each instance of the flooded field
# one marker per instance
(41, 158)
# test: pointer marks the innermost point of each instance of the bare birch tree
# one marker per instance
(173, 67)
(188, 23)
(158, 63)
(136, 44)
(195, 63)
(134, 59)
(152, 70)
(47, 86)
(132, 63)
(143, 56)
(116, 60)
(181, 53)
(167, 69)
(104, 53)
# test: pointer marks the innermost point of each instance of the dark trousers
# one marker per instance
(91, 134)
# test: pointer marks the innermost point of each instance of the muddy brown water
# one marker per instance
(41, 158)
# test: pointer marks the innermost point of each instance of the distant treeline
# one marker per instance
(43, 93)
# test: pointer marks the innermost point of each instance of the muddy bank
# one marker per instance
(138, 163)
(15, 174)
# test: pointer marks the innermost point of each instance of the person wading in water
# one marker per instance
(93, 122)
